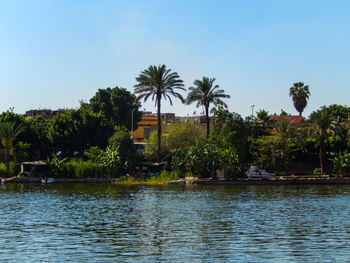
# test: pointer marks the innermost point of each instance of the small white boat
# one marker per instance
(2, 181)
(255, 173)
(47, 180)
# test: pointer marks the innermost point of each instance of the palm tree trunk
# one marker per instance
(208, 120)
(7, 163)
(321, 154)
(159, 133)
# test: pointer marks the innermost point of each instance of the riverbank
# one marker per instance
(31, 179)
(188, 181)
(293, 181)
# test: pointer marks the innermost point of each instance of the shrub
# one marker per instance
(341, 164)
(317, 171)
(78, 168)
(203, 159)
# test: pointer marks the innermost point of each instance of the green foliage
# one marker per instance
(163, 178)
(40, 143)
(284, 113)
(118, 105)
(56, 164)
(202, 160)
(151, 151)
(336, 112)
(158, 82)
(204, 93)
(230, 160)
(231, 131)
(300, 94)
(266, 151)
(323, 125)
(284, 129)
(317, 171)
(78, 130)
(341, 164)
(263, 115)
(93, 152)
(14, 169)
(78, 168)
(3, 170)
(111, 160)
(175, 136)
(273, 152)
(121, 138)
(9, 132)
(21, 151)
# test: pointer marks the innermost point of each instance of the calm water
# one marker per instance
(108, 223)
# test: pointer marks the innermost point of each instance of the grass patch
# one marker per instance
(78, 168)
(163, 178)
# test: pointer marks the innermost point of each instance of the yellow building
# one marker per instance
(148, 123)
(145, 126)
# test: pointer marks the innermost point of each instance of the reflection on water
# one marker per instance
(110, 223)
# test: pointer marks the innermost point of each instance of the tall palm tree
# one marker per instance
(8, 135)
(158, 82)
(205, 92)
(323, 126)
(299, 94)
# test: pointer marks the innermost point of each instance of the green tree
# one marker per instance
(175, 136)
(78, 130)
(118, 105)
(8, 134)
(230, 131)
(158, 82)
(337, 112)
(322, 127)
(122, 141)
(205, 92)
(40, 143)
(300, 94)
(284, 129)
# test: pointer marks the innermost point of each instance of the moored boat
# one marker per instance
(47, 180)
(255, 173)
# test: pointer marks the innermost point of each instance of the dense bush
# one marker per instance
(202, 160)
(175, 136)
(78, 168)
(341, 164)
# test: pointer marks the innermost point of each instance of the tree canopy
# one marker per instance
(204, 93)
(118, 105)
(300, 94)
(159, 82)
(78, 130)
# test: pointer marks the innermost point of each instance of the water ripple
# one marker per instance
(108, 223)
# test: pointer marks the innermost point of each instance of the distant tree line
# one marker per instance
(94, 139)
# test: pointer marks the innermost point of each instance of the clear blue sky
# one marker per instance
(55, 53)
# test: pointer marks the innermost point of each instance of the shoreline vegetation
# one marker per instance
(96, 143)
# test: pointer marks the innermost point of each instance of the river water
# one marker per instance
(113, 223)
